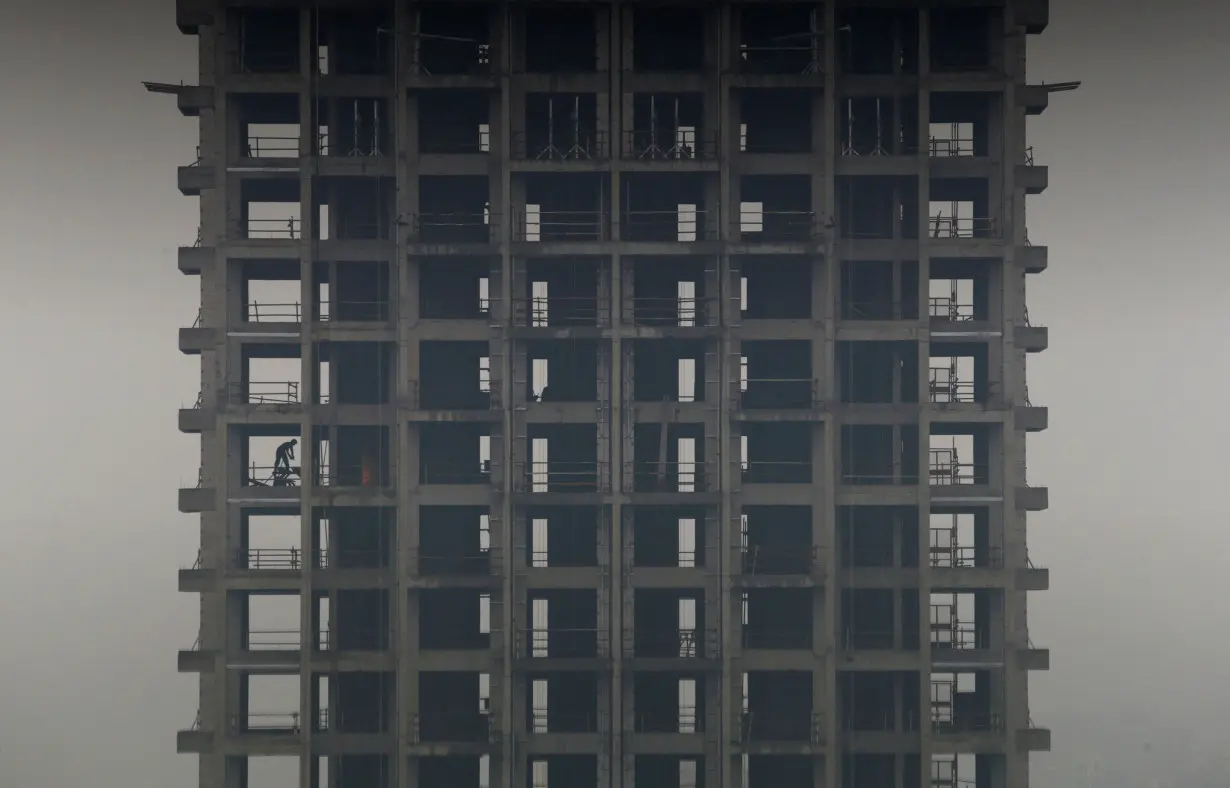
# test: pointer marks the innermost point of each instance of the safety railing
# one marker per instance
(441, 726)
(946, 721)
(753, 226)
(256, 392)
(274, 229)
(273, 640)
(669, 145)
(272, 476)
(270, 148)
(560, 226)
(199, 402)
(687, 720)
(864, 479)
(273, 313)
(266, 558)
(667, 311)
(680, 559)
(565, 643)
(779, 394)
(431, 565)
(770, 638)
(958, 636)
(755, 726)
(780, 559)
(780, 58)
(949, 60)
(584, 145)
(196, 162)
(449, 55)
(965, 557)
(446, 228)
(556, 311)
(950, 310)
(454, 472)
(351, 558)
(955, 146)
(883, 309)
(542, 720)
(353, 311)
(437, 395)
(286, 723)
(867, 639)
(682, 644)
(670, 477)
(860, 720)
(777, 472)
(945, 469)
(200, 238)
(961, 227)
(558, 476)
(942, 387)
(1029, 156)
(362, 474)
(266, 60)
(674, 226)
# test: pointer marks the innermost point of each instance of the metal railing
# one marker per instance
(445, 228)
(683, 644)
(961, 227)
(674, 226)
(454, 472)
(867, 639)
(753, 226)
(667, 145)
(287, 723)
(883, 309)
(862, 721)
(559, 476)
(671, 477)
(687, 720)
(271, 476)
(565, 643)
(586, 145)
(946, 308)
(780, 559)
(777, 472)
(544, 721)
(273, 640)
(958, 636)
(353, 311)
(756, 726)
(779, 393)
(669, 311)
(273, 229)
(265, 558)
(945, 469)
(273, 313)
(369, 474)
(965, 557)
(1029, 156)
(858, 479)
(942, 148)
(252, 392)
(351, 558)
(560, 226)
(270, 148)
(556, 311)
(769, 638)
(942, 387)
(946, 721)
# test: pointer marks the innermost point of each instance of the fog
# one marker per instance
(1136, 376)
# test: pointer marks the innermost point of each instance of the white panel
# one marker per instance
(687, 218)
(685, 142)
(687, 380)
(687, 705)
(538, 304)
(743, 147)
(745, 691)
(538, 452)
(484, 450)
(484, 532)
(538, 376)
(322, 386)
(686, 294)
(751, 217)
(484, 137)
(687, 465)
(743, 294)
(484, 373)
(538, 774)
(539, 709)
(540, 613)
(533, 223)
(322, 296)
(484, 693)
(687, 772)
(687, 613)
(743, 451)
(484, 614)
(322, 220)
(743, 603)
(484, 294)
(742, 373)
(687, 542)
(538, 542)
(484, 771)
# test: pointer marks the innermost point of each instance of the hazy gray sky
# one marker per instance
(90, 301)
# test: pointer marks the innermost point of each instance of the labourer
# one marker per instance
(285, 453)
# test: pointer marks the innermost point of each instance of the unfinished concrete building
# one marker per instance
(656, 373)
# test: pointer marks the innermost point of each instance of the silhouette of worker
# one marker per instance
(285, 453)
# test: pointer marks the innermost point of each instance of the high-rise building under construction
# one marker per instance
(656, 372)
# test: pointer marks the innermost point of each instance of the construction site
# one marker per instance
(612, 394)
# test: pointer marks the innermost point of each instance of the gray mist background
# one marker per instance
(1136, 379)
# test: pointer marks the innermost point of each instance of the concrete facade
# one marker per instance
(658, 380)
